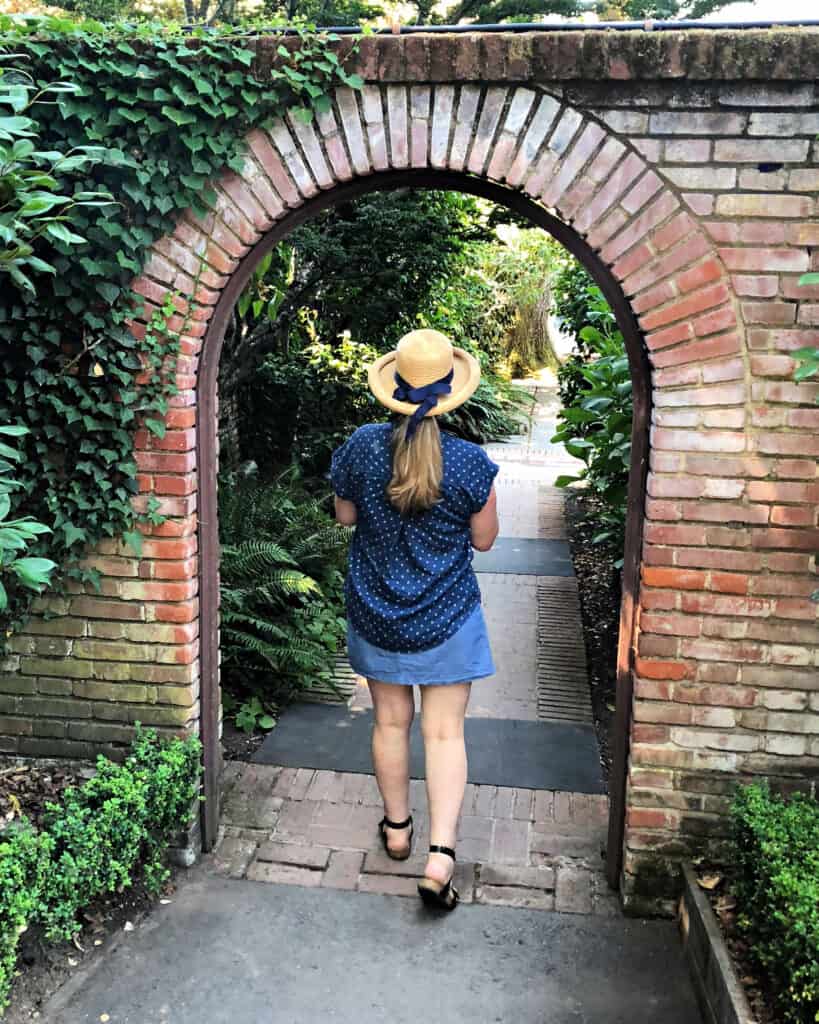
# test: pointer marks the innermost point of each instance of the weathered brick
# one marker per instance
(697, 123)
(754, 151)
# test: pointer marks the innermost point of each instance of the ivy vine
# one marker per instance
(168, 112)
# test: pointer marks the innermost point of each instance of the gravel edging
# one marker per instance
(719, 991)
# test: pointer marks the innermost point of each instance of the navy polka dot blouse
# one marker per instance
(410, 583)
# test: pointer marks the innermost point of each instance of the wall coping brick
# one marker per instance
(705, 55)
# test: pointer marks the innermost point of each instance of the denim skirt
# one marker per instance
(465, 656)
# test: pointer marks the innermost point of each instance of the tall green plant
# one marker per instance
(596, 426)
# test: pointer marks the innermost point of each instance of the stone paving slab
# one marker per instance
(540, 849)
(501, 751)
(531, 556)
(226, 951)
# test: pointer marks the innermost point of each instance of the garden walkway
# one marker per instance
(304, 812)
(331, 936)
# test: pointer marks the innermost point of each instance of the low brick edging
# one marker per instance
(719, 991)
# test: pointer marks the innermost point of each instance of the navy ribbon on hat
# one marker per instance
(427, 397)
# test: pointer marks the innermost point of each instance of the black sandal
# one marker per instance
(434, 893)
(383, 825)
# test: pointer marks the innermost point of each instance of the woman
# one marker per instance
(420, 499)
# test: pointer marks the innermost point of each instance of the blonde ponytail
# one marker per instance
(417, 467)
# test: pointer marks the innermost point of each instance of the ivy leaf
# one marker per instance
(156, 427)
(59, 231)
(304, 115)
(72, 534)
(133, 538)
(110, 292)
(33, 572)
(179, 117)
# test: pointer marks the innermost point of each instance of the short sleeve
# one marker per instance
(342, 470)
(481, 476)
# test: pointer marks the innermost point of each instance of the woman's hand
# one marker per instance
(484, 524)
(346, 512)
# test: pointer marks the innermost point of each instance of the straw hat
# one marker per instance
(423, 357)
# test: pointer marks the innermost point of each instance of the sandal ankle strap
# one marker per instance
(396, 824)
(435, 848)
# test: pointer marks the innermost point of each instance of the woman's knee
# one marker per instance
(393, 705)
(435, 729)
(443, 709)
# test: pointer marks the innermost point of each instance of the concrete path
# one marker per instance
(233, 952)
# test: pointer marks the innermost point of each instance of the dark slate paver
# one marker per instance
(526, 556)
(502, 752)
(227, 951)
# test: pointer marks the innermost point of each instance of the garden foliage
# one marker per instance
(17, 534)
(595, 421)
(775, 866)
(282, 578)
(105, 833)
(164, 113)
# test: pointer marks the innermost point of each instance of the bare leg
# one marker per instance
(394, 707)
(442, 723)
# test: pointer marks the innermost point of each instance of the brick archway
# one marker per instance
(512, 138)
(664, 200)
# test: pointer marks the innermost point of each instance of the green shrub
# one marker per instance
(495, 411)
(282, 606)
(776, 880)
(22, 869)
(596, 425)
(305, 402)
(571, 287)
(93, 842)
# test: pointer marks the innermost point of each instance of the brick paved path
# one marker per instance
(516, 847)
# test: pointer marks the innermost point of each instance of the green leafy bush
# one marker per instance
(17, 534)
(304, 402)
(571, 287)
(775, 864)
(596, 426)
(492, 413)
(120, 821)
(23, 865)
(282, 578)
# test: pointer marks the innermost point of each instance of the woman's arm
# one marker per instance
(346, 512)
(484, 524)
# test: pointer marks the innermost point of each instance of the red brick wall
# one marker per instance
(649, 146)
